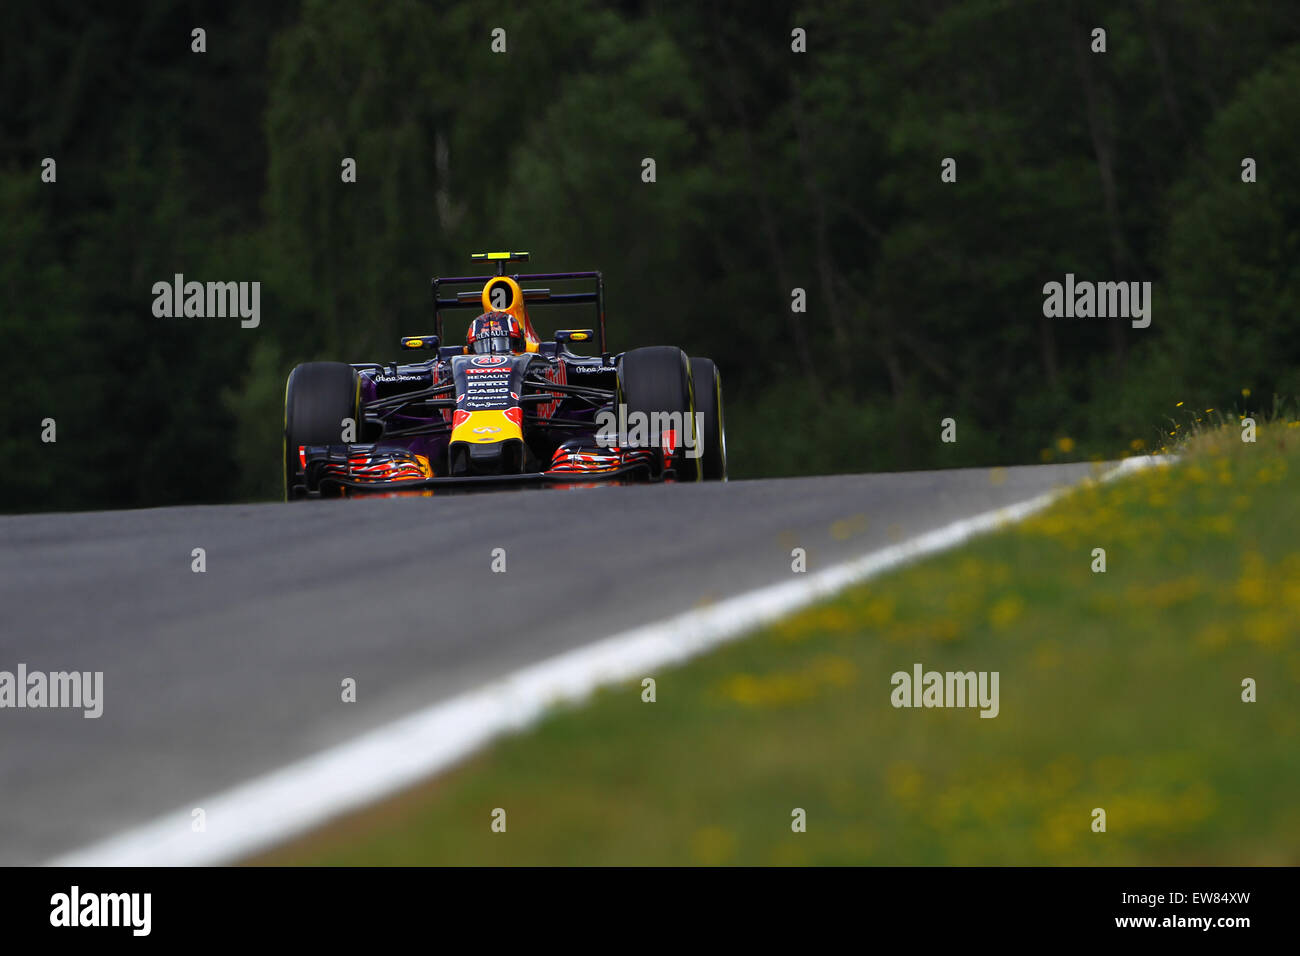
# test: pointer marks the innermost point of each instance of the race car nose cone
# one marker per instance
(490, 451)
(494, 458)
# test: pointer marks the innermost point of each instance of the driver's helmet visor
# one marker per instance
(496, 344)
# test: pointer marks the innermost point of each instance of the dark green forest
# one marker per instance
(776, 169)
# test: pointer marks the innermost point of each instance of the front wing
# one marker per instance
(386, 469)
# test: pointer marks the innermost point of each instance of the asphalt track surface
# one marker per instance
(213, 678)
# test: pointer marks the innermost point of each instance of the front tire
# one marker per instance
(658, 379)
(318, 396)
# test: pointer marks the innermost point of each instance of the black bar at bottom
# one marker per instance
(980, 908)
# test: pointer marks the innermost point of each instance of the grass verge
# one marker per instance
(1120, 690)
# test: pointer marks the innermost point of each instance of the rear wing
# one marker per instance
(532, 296)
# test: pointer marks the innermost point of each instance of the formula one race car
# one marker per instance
(504, 407)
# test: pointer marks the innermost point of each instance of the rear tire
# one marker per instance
(317, 397)
(658, 379)
(708, 402)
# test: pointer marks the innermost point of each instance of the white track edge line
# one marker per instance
(282, 804)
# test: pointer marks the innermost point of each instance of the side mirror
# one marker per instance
(414, 343)
(574, 335)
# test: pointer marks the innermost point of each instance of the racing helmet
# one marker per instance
(495, 332)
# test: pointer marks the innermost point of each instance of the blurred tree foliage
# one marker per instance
(774, 170)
